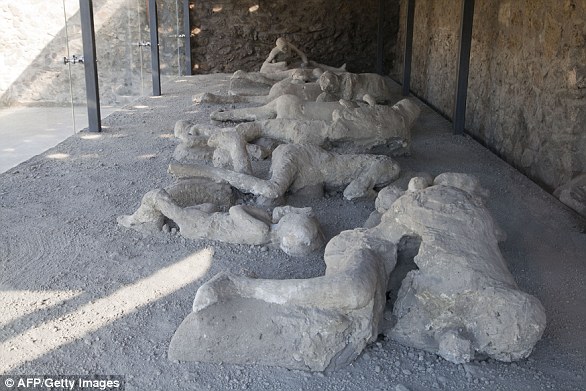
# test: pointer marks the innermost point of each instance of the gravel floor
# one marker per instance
(81, 295)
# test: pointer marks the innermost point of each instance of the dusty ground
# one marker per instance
(80, 295)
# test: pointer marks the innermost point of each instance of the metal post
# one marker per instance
(155, 64)
(187, 32)
(88, 36)
(380, 43)
(408, 48)
(463, 66)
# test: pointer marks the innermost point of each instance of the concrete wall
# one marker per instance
(229, 35)
(527, 85)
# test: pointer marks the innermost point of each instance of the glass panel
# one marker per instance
(123, 52)
(75, 67)
(36, 110)
(171, 39)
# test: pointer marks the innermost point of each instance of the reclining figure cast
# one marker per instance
(330, 87)
(303, 167)
(273, 70)
(462, 303)
(294, 230)
(355, 130)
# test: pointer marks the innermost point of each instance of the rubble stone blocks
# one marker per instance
(332, 33)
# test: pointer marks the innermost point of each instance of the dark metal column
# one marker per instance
(380, 42)
(187, 32)
(463, 66)
(155, 63)
(86, 13)
(408, 48)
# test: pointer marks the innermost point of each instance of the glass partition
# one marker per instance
(171, 39)
(41, 101)
(42, 83)
(122, 51)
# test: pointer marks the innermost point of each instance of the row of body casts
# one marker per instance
(325, 128)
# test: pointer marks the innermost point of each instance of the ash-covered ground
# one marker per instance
(81, 295)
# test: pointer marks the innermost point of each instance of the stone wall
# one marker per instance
(228, 35)
(527, 86)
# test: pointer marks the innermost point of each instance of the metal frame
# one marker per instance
(408, 54)
(380, 43)
(86, 12)
(155, 63)
(187, 43)
(463, 66)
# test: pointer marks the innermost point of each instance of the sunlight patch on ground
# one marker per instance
(148, 156)
(68, 328)
(91, 137)
(90, 156)
(16, 304)
(58, 156)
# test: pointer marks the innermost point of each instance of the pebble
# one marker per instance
(400, 387)
(377, 369)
